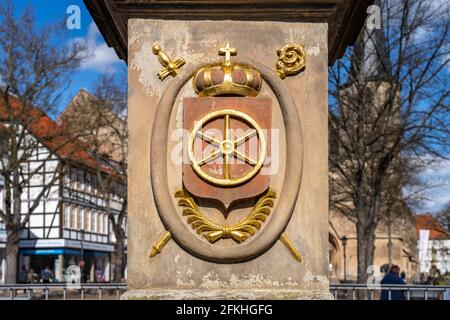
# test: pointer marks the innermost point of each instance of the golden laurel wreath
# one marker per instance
(239, 231)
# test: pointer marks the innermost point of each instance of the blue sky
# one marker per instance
(102, 59)
(438, 195)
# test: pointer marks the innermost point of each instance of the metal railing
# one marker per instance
(113, 291)
(373, 292)
(62, 291)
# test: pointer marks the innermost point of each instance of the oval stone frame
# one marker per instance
(169, 213)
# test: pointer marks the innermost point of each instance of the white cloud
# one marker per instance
(420, 35)
(440, 5)
(99, 56)
(437, 176)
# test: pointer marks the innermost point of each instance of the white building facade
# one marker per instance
(2, 239)
(433, 246)
(433, 253)
(69, 227)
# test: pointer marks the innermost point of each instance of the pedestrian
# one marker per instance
(31, 276)
(403, 276)
(394, 278)
(46, 275)
(434, 275)
(23, 275)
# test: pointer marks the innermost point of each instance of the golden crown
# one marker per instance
(227, 78)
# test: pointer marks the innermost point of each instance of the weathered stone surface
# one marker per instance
(227, 295)
(345, 17)
(274, 273)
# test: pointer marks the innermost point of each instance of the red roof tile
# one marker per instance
(49, 133)
(428, 222)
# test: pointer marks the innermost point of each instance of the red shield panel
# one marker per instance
(227, 149)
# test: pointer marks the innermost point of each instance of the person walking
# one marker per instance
(46, 275)
(31, 276)
(403, 276)
(23, 275)
(393, 277)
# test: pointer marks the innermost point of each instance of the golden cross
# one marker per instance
(227, 52)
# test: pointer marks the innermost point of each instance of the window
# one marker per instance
(87, 219)
(88, 183)
(114, 193)
(94, 185)
(80, 218)
(94, 221)
(66, 216)
(80, 181)
(105, 224)
(99, 222)
(67, 180)
(72, 217)
(118, 192)
(73, 178)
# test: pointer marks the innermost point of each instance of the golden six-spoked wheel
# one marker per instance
(227, 147)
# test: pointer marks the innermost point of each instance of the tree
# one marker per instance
(443, 216)
(101, 120)
(33, 74)
(389, 104)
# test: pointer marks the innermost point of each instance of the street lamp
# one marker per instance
(82, 263)
(82, 244)
(2, 186)
(344, 240)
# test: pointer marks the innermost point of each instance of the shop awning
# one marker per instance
(58, 251)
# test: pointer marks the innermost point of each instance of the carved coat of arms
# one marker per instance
(227, 151)
(226, 160)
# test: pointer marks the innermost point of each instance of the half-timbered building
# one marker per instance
(69, 227)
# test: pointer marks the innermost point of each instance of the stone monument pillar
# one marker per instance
(228, 169)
